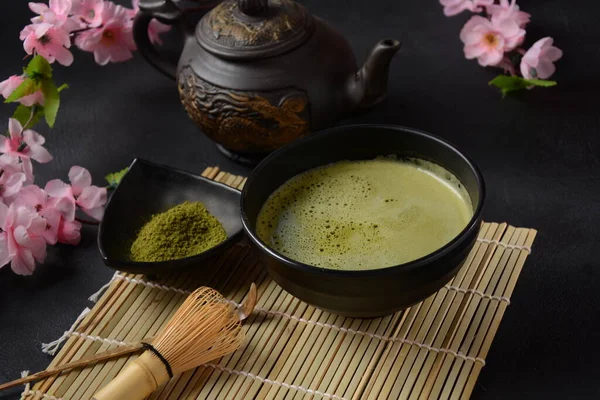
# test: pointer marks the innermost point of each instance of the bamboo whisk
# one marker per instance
(204, 328)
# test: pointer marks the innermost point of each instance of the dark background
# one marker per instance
(538, 152)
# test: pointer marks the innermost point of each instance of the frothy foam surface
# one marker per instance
(357, 215)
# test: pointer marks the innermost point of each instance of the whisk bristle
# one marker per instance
(203, 329)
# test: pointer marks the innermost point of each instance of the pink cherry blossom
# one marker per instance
(37, 200)
(89, 12)
(25, 144)
(58, 190)
(49, 41)
(508, 26)
(454, 7)
(113, 41)
(510, 10)
(56, 10)
(488, 40)
(91, 199)
(9, 85)
(538, 61)
(69, 232)
(11, 178)
(155, 28)
(21, 241)
(10, 185)
(56, 13)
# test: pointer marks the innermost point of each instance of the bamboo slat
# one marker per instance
(434, 349)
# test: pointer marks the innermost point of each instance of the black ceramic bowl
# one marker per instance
(373, 292)
(149, 189)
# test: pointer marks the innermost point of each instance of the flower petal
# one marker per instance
(97, 212)
(9, 85)
(526, 70)
(57, 188)
(5, 255)
(31, 196)
(3, 216)
(69, 232)
(88, 40)
(23, 217)
(455, 9)
(15, 128)
(543, 42)
(41, 29)
(92, 201)
(72, 24)
(27, 166)
(532, 56)
(38, 8)
(64, 205)
(4, 144)
(23, 263)
(472, 38)
(38, 248)
(60, 7)
(474, 51)
(476, 22)
(29, 42)
(101, 56)
(545, 69)
(38, 226)
(493, 57)
(31, 137)
(80, 178)
(36, 151)
(553, 53)
(40, 154)
(120, 54)
(21, 236)
(13, 184)
(63, 56)
(52, 217)
(35, 98)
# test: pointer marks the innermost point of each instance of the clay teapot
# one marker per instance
(257, 74)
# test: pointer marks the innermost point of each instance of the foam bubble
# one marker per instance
(365, 214)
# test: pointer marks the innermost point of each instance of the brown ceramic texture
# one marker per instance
(245, 121)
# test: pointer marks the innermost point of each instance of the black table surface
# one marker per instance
(539, 152)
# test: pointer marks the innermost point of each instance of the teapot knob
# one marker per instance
(253, 7)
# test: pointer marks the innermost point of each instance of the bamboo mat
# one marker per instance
(434, 350)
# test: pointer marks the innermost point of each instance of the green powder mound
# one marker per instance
(182, 231)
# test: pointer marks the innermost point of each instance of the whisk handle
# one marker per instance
(136, 381)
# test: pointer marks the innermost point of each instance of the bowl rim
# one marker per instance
(473, 224)
(157, 265)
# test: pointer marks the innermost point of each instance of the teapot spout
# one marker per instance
(368, 86)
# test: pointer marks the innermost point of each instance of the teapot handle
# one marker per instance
(166, 12)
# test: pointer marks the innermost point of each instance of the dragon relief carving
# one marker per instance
(245, 122)
(236, 32)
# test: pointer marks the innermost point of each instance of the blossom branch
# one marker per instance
(75, 32)
(45, 216)
(87, 221)
(494, 37)
(507, 65)
(31, 115)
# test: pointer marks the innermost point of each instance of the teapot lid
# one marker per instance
(245, 29)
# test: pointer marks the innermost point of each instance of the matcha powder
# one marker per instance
(182, 231)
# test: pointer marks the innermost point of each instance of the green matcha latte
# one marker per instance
(359, 215)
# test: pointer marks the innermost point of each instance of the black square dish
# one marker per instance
(148, 189)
